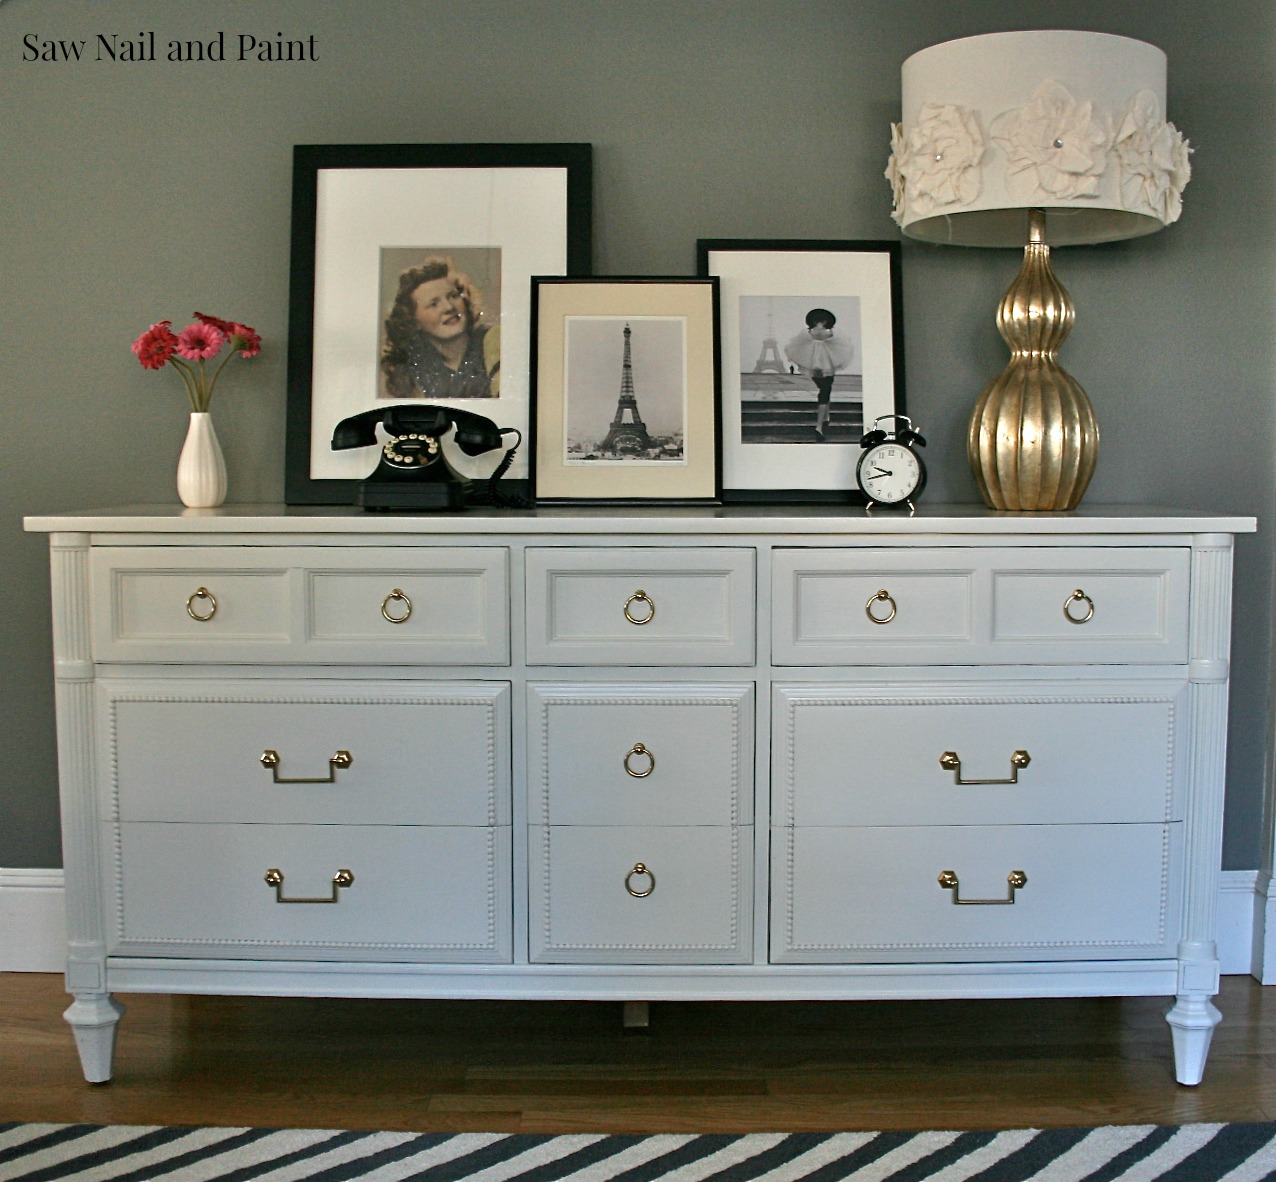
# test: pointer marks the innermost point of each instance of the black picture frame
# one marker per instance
(594, 340)
(771, 453)
(347, 199)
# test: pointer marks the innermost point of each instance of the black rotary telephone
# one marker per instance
(413, 472)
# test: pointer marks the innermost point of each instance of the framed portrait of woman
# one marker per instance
(411, 282)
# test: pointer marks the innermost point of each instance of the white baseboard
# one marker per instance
(33, 923)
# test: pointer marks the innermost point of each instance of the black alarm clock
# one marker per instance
(890, 472)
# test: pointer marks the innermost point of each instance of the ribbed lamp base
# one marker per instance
(1033, 440)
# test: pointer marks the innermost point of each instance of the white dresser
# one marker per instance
(642, 754)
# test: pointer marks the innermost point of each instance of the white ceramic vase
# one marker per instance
(201, 470)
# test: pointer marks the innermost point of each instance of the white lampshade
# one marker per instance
(1069, 122)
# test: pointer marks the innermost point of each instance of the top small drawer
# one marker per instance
(1050, 605)
(640, 606)
(345, 605)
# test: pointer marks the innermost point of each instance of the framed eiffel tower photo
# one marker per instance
(812, 350)
(625, 389)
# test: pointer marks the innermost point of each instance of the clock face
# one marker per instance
(890, 473)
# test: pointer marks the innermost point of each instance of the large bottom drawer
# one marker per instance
(417, 893)
(640, 894)
(1022, 892)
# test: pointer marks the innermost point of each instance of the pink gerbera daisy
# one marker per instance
(199, 342)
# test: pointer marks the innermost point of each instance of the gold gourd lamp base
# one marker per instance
(1033, 439)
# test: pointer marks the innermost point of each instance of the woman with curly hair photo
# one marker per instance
(437, 344)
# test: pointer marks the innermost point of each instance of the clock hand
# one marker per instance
(880, 473)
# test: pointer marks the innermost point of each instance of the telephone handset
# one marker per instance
(413, 472)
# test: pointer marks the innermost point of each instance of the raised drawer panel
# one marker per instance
(419, 894)
(167, 604)
(851, 755)
(420, 754)
(348, 604)
(640, 754)
(447, 606)
(1093, 892)
(636, 606)
(1048, 605)
(585, 888)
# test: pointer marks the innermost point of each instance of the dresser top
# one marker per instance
(645, 520)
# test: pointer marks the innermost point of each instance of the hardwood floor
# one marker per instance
(570, 1067)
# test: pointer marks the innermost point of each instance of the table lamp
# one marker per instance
(1038, 138)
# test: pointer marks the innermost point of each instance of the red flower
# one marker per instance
(199, 342)
(224, 326)
(246, 340)
(156, 345)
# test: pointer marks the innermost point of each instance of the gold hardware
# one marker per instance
(639, 749)
(1079, 596)
(640, 597)
(397, 596)
(639, 870)
(882, 596)
(206, 594)
(1033, 438)
(270, 759)
(275, 878)
(1015, 879)
(951, 762)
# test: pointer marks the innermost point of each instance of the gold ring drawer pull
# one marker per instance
(641, 751)
(270, 759)
(403, 613)
(205, 597)
(640, 871)
(1079, 596)
(950, 761)
(275, 878)
(1015, 879)
(640, 596)
(882, 596)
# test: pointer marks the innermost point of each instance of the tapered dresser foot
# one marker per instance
(1192, 1021)
(93, 1018)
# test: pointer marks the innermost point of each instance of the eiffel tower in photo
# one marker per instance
(769, 360)
(627, 437)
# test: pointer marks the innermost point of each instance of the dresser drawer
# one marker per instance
(1038, 753)
(418, 894)
(640, 606)
(591, 903)
(640, 754)
(434, 754)
(957, 605)
(345, 604)
(1092, 892)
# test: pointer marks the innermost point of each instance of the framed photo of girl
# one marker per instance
(812, 354)
(625, 390)
(411, 281)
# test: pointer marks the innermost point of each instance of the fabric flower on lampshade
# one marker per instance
(1055, 146)
(1153, 156)
(893, 173)
(940, 163)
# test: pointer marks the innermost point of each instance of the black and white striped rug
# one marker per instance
(1118, 1153)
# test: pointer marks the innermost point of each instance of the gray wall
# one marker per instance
(132, 192)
